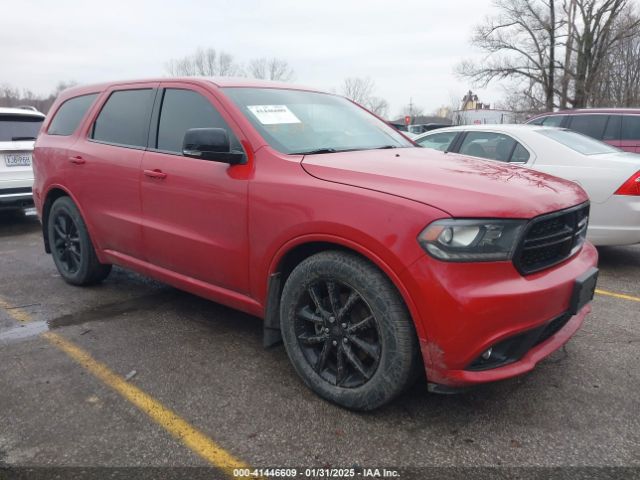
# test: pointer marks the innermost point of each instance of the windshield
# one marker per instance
(19, 127)
(298, 122)
(578, 142)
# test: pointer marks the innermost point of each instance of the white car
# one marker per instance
(610, 176)
(19, 128)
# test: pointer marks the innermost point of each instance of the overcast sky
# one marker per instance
(409, 48)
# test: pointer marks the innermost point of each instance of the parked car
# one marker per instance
(372, 258)
(619, 127)
(18, 130)
(610, 176)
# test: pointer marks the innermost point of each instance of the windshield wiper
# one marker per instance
(17, 139)
(384, 147)
(316, 151)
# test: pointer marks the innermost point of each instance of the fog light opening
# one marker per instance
(487, 354)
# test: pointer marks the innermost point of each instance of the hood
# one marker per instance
(459, 185)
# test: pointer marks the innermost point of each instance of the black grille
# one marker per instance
(552, 238)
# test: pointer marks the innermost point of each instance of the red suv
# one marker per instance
(619, 127)
(368, 257)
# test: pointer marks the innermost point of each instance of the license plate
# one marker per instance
(17, 160)
(583, 290)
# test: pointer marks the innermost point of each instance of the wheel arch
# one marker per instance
(52, 195)
(297, 250)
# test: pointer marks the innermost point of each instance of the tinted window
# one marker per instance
(69, 115)
(520, 154)
(494, 146)
(19, 127)
(578, 142)
(631, 127)
(438, 141)
(591, 125)
(612, 132)
(185, 109)
(553, 120)
(124, 119)
(537, 121)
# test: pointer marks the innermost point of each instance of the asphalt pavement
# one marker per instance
(133, 373)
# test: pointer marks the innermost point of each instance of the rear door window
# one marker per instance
(438, 141)
(14, 128)
(185, 109)
(491, 145)
(70, 114)
(590, 125)
(124, 118)
(630, 127)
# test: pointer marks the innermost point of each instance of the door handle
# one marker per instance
(156, 173)
(77, 160)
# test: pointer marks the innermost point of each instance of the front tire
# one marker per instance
(347, 331)
(71, 247)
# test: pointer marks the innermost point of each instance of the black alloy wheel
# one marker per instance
(71, 246)
(66, 242)
(338, 333)
(347, 330)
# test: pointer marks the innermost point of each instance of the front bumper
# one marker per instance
(465, 308)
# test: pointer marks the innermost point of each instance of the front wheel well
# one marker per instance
(281, 273)
(52, 196)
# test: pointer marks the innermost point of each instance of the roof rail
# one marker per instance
(27, 107)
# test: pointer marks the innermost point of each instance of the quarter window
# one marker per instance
(553, 120)
(438, 141)
(631, 127)
(520, 154)
(185, 109)
(70, 114)
(124, 119)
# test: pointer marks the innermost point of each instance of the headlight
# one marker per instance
(472, 240)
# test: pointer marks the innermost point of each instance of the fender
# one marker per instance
(365, 252)
(58, 186)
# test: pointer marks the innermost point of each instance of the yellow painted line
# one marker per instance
(17, 313)
(190, 436)
(197, 441)
(617, 295)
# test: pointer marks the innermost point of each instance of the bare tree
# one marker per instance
(527, 39)
(521, 46)
(594, 40)
(361, 90)
(205, 62)
(358, 89)
(13, 97)
(619, 84)
(412, 110)
(270, 69)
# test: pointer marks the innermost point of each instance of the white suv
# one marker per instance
(19, 128)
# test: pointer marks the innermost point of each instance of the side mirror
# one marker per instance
(210, 144)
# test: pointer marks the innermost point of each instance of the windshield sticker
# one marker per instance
(273, 114)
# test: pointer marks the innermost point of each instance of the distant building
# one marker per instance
(474, 112)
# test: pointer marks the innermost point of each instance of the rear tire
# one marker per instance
(347, 331)
(71, 247)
